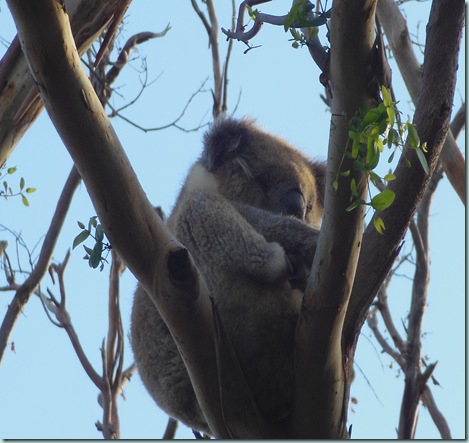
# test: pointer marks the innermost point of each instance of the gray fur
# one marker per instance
(235, 214)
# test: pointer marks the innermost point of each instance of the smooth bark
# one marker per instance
(320, 408)
(149, 250)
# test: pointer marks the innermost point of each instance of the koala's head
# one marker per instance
(254, 167)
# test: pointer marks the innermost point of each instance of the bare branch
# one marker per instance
(373, 324)
(239, 33)
(27, 288)
(211, 26)
(111, 32)
(174, 123)
(171, 428)
(459, 121)
(123, 57)
(437, 417)
(63, 318)
(388, 322)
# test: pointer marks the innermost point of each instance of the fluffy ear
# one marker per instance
(224, 141)
(319, 171)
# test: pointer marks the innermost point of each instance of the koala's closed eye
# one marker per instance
(293, 203)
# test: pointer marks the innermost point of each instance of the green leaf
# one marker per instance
(423, 160)
(81, 237)
(30, 190)
(99, 233)
(93, 222)
(335, 184)
(11, 170)
(372, 157)
(389, 177)
(95, 256)
(383, 200)
(379, 225)
(21, 183)
(356, 203)
(355, 148)
(414, 139)
(353, 187)
(372, 115)
(386, 96)
(391, 115)
(24, 200)
(375, 178)
(81, 225)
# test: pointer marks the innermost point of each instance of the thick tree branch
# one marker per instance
(432, 120)
(149, 250)
(396, 31)
(320, 395)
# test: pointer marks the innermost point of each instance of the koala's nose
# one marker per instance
(293, 203)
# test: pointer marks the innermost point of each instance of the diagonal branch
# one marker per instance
(397, 34)
(30, 284)
(432, 120)
(143, 241)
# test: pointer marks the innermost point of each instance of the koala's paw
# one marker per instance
(298, 270)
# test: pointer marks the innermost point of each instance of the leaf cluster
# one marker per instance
(369, 132)
(300, 17)
(94, 255)
(7, 192)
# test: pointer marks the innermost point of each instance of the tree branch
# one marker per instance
(395, 27)
(20, 104)
(30, 284)
(152, 254)
(321, 397)
(432, 119)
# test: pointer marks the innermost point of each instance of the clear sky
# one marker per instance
(45, 392)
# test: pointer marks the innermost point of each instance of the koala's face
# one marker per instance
(257, 168)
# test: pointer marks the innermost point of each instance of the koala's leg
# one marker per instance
(160, 365)
(220, 238)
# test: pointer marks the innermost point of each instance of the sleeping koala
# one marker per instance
(248, 213)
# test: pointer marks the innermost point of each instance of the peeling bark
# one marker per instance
(20, 104)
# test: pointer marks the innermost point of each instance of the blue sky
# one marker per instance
(45, 391)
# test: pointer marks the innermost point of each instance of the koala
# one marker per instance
(249, 213)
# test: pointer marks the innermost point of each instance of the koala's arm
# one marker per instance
(298, 239)
(293, 235)
(223, 241)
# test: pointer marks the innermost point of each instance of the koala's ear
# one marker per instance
(224, 141)
(319, 172)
